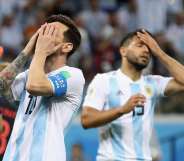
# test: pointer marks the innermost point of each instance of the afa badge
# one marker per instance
(149, 91)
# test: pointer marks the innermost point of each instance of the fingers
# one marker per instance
(139, 100)
(57, 47)
(48, 30)
(142, 36)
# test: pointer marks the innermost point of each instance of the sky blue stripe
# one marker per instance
(20, 134)
(137, 126)
(114, 98)
(39, 130)
(7, 152)
(150, 83)
(19, 141)
(115, 130)
(21, 107)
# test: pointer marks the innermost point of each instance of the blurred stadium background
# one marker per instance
(102, 24)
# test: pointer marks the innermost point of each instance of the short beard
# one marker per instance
(139, 67)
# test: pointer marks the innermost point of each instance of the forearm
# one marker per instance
(36, 71)
(175, 68)
(10, 72)
(93, 118)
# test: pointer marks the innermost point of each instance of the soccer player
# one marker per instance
(122, 102)
(49, 93)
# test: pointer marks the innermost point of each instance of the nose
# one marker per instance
(146, 49)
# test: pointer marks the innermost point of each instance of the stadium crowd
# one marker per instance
(102, 24)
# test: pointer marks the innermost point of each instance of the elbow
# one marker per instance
(31, 88)
(35, 88)
(39, 89)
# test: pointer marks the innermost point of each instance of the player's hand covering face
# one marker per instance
(46, 42)
(149, 41)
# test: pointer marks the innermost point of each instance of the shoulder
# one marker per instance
(72, 71)
(67, 71)
(151, 77)
(102, 78)
(158, 79)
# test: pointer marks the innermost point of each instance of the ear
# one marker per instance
(123, 51)
(67, 47)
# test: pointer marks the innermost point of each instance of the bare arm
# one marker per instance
(38, 83)
(175, 68)
(8, 74)
(92, 117)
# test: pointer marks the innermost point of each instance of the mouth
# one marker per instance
(145, 57)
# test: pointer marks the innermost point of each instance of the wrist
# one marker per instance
(40, 53)
(121, 111)
(26, 52)
(158, 51)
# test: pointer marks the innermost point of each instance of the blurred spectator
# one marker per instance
(127, 16)
(27, 12)
(155, 147)
(10, 34)
(94, 19)
(61, 6)
(77, 153)
(168, 47)
(85, 47)
(108, 4)
(7, 7)
(152, 14)
(106, 53)
(175, 33)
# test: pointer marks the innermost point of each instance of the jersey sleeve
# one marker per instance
(59, 84)
(18, 85)
(161, 84)
(96, 93)
(75, 88)
(69, 84)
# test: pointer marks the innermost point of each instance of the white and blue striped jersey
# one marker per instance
(38, 132)
(126, 138)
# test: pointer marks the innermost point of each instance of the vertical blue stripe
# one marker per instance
(137, 126)
(115, 130)
(38, 136)
(114, 98)
(20, 138)
(153, 85)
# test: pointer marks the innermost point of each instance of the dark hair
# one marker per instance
(72, 34)
(128, 38)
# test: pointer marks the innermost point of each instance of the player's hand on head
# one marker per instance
(133, 101)
(47, 40)
(148, 40)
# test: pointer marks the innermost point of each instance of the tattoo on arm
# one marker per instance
(8, 74)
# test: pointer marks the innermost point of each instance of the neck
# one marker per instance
(129, 70)
(54, 64)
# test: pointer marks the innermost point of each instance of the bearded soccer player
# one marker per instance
(49, 93)
(122, 102)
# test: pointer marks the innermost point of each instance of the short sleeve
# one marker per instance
(18, 85)
(161, 84)
(75, 87)
(69, 84)
(96, 93)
